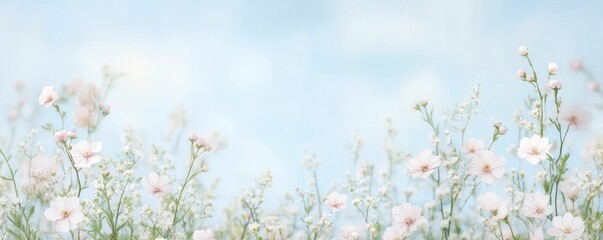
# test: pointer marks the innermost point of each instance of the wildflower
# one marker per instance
(490, 201)
(206, 234)
(570, 188)
(536, 205)
(65, 213)
(521, 74)
(576, 65)
(407, 218)
(60, 136)
(553, 68)
(555, 84)
(157, 185)
(575, 116)
(488, 167)
(423, 165)
(192, 136)
(523, 51)
(473, 147)
(85, 153)
(337, 202)
(534, 149)
(48, 96)
(593, 86)
(567, 227)
(394, 233)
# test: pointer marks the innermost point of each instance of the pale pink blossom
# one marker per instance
(65, 213)
(85, 116)
(521, 74)
(337, 202)
(534, 149)
(489, 201)
(85, 153)
(553, 68)
(576, 65)
(593, 86)
(407, 218)
(394, 233)
(575, 116)
(473, 147)
(423, 165)
(157, 185)
(48, 96)
(351, 232)
(522, 50)
(192, 136)
(536, 233)
(555, 84)
(205, 234)
(570, 188)
(488, 166)
(536, 205)
(567, 227)
(60, 136)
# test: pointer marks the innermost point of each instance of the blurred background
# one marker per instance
(279, 78)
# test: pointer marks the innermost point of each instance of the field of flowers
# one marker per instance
(75, 189)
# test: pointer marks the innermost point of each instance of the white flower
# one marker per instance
(48, 96)
(65, 213)
(536, 233)
(157, 185)
(407, 218)
(488, 167)
(423, 165)
(523, 51)
(575, 116)
(489, 201)
(534, 149)
(206, 234)
(337, 202)
(536, 205)
(570, 188)
(567, 227)
(552, 68)
(394, 233)
(351, 232)
(60, 136)
(85, 153)
(555, 84)
(473, 147)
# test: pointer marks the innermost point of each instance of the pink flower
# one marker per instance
(157, 185)
(85, 153)
(488, 167)
(65, 213)
(575, 116)
(407, 217)
(593, 86)
(473, 147)
(523, 51)
(206, 234)
(192, 136)
(553, 68)
(534, 149)
(521, 74)
(60, 136)
(536, 205)
(423, 165)
(567, 227)
(48, 96)
(490, 201)
(555, 84)
(337, 202)
(576, 65)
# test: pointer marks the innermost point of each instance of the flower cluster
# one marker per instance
(458, 186)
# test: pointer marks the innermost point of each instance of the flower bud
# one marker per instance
(60, 136)
(531, 78)
(552, 68)
(503, 130)
(576, 65)
(555, 84)
(593, 86)
(71, 134)
(523, 51)
(192, 136)
(521, 74)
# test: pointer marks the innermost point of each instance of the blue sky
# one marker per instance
(279, 77)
